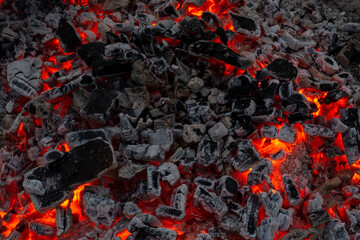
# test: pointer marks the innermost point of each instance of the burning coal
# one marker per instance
(195, 119)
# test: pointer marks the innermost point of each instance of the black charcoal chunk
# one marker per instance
(203, 236)
(337, 125)
(287, 134)
(298, 117)
(243, 106)
(267, 91)
(162, 137)
(282, 69)
(66, 171)
(286, 90)
(77, 138)
(100, 105)
(127, 132)
(179, 196)
(130, 210)
(24, 76)
(153, 182)
(250, 216)
(99, 209)
(268, 131)
(92, 52)
(169, 212)
(208, 152)
(69, 38)
(232, 223)
(130, 169)
(228, 187)
(41, 229)
(244, 127)
(266, 229)
(278, 155)
(321, 85)
(296, 234)
(263, 114)
(350, 116)
(144, 152)
(208, 49)
(261, 171)
(64, 220)
(291, 190)
(351, 144)
(241, 86)
(335, 230)
(212, 20)
(318, 218)
(205, 183)
(317, 130)
(169, 172)
(110, 67)
(141, 230)
(333, 97)
(246, 157)
(178, 202)
(211, 202)
(272, 202)
(285, 218)
(245, 25)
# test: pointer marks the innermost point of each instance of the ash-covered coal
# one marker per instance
(178, 120)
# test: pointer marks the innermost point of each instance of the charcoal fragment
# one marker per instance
(92, 52)
(153, 182)
(205, 183)
(130, 210)
(211, 202)
(250, 216)
(335, 230)
(282, 69)
(317, 130)
(64, 220)
(318, 218)
(66, 171)
(74, 139)
(169, 172)
(291, 190)
(208, 152)
(139, 230)
(245, 25)
(266, 229)
(100, 210)
(41, 229)
(246, 157)
(69, 38)
(327, 64)
(24, 76)
(261, 171)
(208, 49)
(144, 152)
(101, 104)
(228, 187)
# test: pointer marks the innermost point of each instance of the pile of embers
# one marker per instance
(196, 119)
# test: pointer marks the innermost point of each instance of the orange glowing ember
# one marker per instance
(20, 130)
(124, 234)
(75, 202)
(10, 225)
